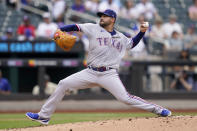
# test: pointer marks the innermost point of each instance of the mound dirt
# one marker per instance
(174, 123)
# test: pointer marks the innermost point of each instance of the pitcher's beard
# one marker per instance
(103, 24)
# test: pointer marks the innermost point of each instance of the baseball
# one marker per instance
(145, 24)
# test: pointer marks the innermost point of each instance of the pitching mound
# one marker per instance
(175, 123)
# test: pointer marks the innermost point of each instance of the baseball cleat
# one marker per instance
(165, 113)
(35, 117)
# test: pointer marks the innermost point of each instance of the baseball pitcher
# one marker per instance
(107, 47)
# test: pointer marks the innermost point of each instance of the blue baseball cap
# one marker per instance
(107, 12)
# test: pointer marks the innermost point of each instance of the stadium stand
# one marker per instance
(12, 17)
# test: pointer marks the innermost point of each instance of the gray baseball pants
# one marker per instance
(88, 78)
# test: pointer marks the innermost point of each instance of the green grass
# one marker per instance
(19, 120)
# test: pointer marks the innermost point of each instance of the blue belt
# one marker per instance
(100, 69)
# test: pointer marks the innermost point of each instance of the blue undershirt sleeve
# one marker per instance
(137, 38)
(68, 28)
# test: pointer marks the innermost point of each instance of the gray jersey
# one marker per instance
(104, 49)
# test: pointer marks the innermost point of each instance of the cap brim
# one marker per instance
(99, 14)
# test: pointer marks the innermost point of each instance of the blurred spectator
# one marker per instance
(157, 30)
(182, 81)
(190, 38)
(46, 29)
(129, 10)
(49, 87)
(26, 2)
(109, 4)
(183, 77)
(58, 9)
(184, 55)
(92, 5)
(193, 11)
(8, 35)
(156, 43)
(78, 6)
(26, 31)
(172, 26)
(146, 8)
(175, 42)
(5, 88)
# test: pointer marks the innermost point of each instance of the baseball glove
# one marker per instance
(64, 40)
